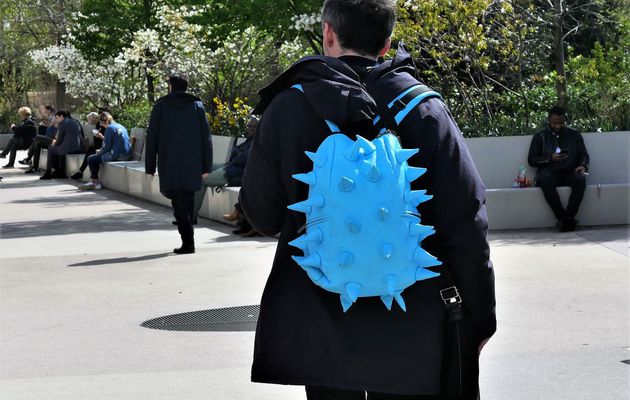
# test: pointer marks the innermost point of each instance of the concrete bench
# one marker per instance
(606, 200)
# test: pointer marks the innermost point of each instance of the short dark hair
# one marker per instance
(557, 110)
(63, 113)
(361, 25)
(178, 81)
(49, 108)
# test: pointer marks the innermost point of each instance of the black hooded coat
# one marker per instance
(303, 337)
(178, 142)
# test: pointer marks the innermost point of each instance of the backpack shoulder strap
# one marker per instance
(395, 111)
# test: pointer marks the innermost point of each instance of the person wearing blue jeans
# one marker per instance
(116, 147)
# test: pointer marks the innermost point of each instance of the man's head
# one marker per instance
(61, 115)
(105, 119)
(361, 27)
(557, 119)
(251, 126)
(177, 82)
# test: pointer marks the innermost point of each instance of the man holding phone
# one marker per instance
(560, 155)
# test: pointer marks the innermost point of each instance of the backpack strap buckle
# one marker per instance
(450, 296)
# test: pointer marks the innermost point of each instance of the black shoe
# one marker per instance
(77, 176)
(30, 171)
(7, 166)
(46, 176)
(185, 249)
(59, 175)
(569, 225)
(25, 161)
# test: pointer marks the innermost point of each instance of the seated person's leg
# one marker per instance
(8, 148)
(548, 181)
(577, 182)
(214, 179)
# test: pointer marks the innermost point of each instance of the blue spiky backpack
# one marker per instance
(363, 229)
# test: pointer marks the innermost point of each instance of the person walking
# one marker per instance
(303, 336)
(179, 145)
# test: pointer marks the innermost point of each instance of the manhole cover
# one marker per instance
(231, 319)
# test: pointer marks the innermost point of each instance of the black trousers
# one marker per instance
(183, 202)
(40, 142)
(56, 159)
(548, 181)
(14, 144)
(91, 150)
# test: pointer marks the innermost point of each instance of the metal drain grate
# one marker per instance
(231, 319)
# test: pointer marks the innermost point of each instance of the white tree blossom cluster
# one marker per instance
(175, 44)
(306, 22)
(106, 82)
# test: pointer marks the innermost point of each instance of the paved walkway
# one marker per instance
(80, 271)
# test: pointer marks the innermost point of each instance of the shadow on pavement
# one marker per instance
(119, 260)
(124, 222)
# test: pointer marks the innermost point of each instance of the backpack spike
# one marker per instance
(346, 259)
(416, 197)
(400, 301)
(319, 159)
(300, 242)
(346, 303)
(367, 146)
(315, 200)
(422, 231)
(301, 207)
(346, 184)
(387, 300)
(353, 226)
(374, 175)
(388, 250)
(403, 155)
(353, 152)
(314, 260)
(315, 235)
(423, 273)
(390, 283)
(426, 259)
(353, 290)
(414, 173)
(310, 178)
(382, 213)
(314, 273)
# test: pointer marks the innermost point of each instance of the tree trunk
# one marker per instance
(60, 95)
(558, 36)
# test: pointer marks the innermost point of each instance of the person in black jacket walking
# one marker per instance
(23, 135)
(560, 155)
(303, 337)
(179, 144)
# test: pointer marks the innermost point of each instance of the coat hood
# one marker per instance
(332, 88)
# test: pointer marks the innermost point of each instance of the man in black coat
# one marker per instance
(23, 135)
(560, 155)
(179, 143)
(303, 337)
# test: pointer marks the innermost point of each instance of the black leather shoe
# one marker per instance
(46, 177)
(30, 171)
(59, 175)
(77, 176)
(7, 166)
(185, 249)
(25, 161)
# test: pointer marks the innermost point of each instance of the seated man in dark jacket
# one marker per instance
(23, 135)
(562, 160)
(231, 173)
(67, 141)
